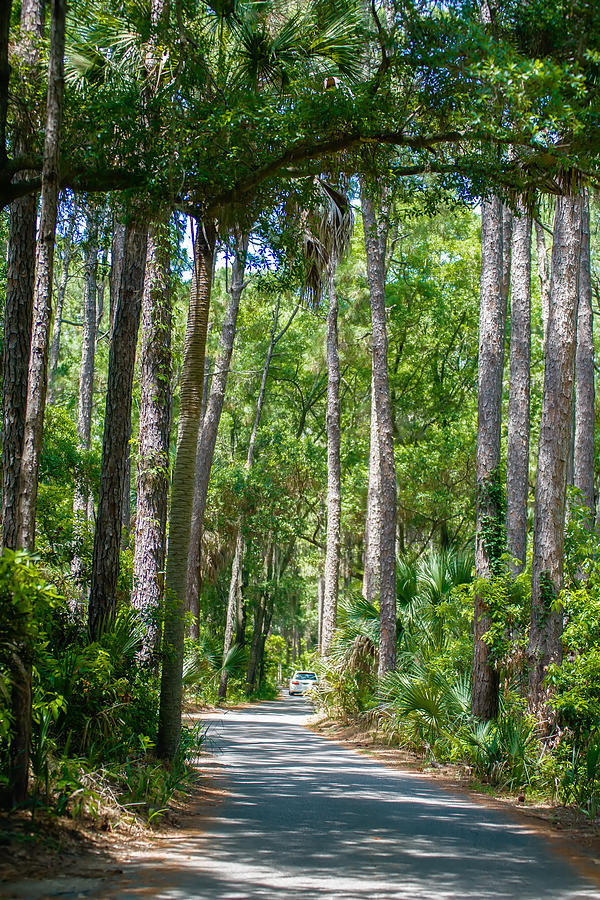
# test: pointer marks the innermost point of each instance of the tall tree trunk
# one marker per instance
(544, 276)
(17, 342)
(320, 592)
(18, 309)
(376, 231)
(86, 387)
(235, 583)
(517, 450)
(555, 439)
(507, 229)
(584, 374)
(37, 380)
(489, 542)
(259, 618)
(21, 686)
(210, 426)
(126, 509)
(116, 268)
(206, 388)
(117, 428)
(334, 474)
(181, 495)
(60, 302)
(371, 568)
(155, 426)
(5, 17)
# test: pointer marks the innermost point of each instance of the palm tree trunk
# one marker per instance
(517, 450)
(86, 386)
(18, 308)
(155, 426)
(210, 427)
(334, 475)
(37, 380)
(376, 231)
(117, 428)
(181, 495)
(489, 543)
(584, 375)
(554, 442)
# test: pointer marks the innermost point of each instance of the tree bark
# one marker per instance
(117, 429)
(320, 591)
(210, 427)
(554, 442)
(155, 427)
(86, 386)
(18, 309)
(18, 314)
(507, 229)
(181, 494)
(376, 231)
(116, 269)
(583, 478)
(5, 17)
(371, 568)
(517, 450)
(60, 301)
(257, 642)
(334, 474)
(126, 509)
(544, 276)
(489, 542)
(37, 379)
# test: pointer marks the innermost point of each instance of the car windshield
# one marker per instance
(306, 675)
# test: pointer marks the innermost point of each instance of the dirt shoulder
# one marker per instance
(572, 832)
(97, 845)
(99, 842)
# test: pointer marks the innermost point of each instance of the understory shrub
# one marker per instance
(94, 709)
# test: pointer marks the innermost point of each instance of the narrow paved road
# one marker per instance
(306, 819)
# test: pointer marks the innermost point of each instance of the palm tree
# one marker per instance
(327, 234)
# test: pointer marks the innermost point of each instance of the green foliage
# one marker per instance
(27, 607)
(492, 500)
(94, 704)
(507, 600)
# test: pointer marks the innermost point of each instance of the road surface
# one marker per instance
(306, 819)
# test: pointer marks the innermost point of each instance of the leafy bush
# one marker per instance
(94, 719)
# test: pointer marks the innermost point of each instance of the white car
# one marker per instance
(302, 681)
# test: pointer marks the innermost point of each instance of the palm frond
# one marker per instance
(326, 237)
(337, 37)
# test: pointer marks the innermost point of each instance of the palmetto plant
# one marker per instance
(428, 691)
(203, 665)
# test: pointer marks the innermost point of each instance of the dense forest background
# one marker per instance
(298, 371)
